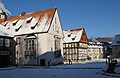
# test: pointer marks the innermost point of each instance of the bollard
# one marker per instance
(111, 67)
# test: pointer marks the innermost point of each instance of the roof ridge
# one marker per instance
(76, 29)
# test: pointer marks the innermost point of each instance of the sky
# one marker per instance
(100, 18)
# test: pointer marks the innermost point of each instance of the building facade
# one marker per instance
(7, 48)
(95, 50)
(116, 46)
(75, 45)
(38, 36)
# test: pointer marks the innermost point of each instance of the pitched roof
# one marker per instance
(116, 40)
(27, 23)
(73, 35)
(5, 32)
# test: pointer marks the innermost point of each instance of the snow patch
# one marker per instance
(2, 8)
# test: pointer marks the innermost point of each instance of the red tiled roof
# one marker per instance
(75, 35)
(40, 19)
(77, 29)
(41, 13)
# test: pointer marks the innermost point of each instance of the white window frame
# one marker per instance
(57, 44)
(7, 42)
(30, 48)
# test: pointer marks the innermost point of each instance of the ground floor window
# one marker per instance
(7, 42)
(57, 52)
(30, 48)
(1, 41)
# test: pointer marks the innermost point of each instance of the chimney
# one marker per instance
(22, 14)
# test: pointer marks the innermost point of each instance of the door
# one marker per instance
(42, 62)
(4, 60)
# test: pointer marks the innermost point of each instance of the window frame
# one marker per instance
(1, 41)
(30, 50)
(7, 42)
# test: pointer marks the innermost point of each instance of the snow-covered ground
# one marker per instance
(90, 69)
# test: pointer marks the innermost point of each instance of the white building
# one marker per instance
(95, 50)
(38, 36)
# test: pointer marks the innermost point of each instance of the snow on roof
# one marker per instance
(5, 32)
(116, 40)
(72, 35)
(33, 22)
(3, 9)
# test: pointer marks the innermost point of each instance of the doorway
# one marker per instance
(42, 62)
(4, 60)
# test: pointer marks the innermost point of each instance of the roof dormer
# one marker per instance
(15, 22)
(28, 20)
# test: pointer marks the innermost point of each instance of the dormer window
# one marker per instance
(29, 19)
(32, 27)
(55, 20)
(69, 35)
(14, 22)
(8, 28)
(18, 25)
(34, 22)
(73, 38)
(18, 28)
(5, 23)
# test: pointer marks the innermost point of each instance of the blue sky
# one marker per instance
(100, 18)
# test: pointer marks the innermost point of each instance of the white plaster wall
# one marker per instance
(42, 43)
(53, 31)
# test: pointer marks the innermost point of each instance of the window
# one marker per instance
(55, 20)
(18, 40)
(69, 35)
(14, 22)
(7, 42)
(57, 44)
(1, 41)
(73, 38)
(5, 23)
(30, 48)
(2, 16)
(29, 19)
(18, 28)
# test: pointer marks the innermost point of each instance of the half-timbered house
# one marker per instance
(75, 45)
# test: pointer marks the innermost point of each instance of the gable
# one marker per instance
(83, 36)
(55, 26)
